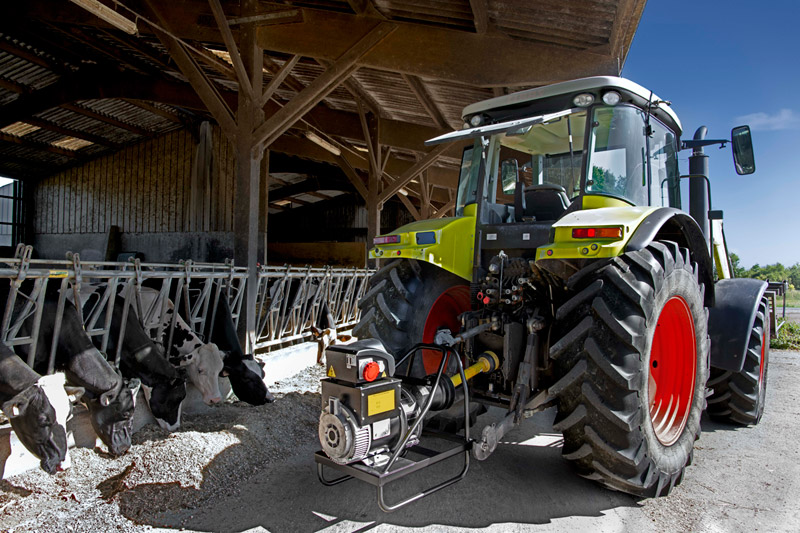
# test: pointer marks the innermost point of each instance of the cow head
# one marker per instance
(247, 381)
(165, 402)
(202, 367)
(111, 414)
(38, 415)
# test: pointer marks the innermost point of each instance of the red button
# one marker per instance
(371, 371)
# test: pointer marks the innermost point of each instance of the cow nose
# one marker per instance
(214, 400)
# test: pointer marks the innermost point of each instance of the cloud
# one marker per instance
(785, 119)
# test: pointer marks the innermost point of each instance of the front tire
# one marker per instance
(407, 302)
(630, 351)
(739, 397)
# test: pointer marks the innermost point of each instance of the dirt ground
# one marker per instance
(245, 468)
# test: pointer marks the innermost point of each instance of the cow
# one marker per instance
(201, 362)
(37, 407)
(140, 358)
(110, 399)
(244, 372)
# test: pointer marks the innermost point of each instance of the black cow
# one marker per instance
(141, 358)
(37, 407)
(111, 401)
(244, 372)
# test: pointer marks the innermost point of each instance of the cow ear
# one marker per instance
(134, 385)
(261, 364)
(224, 373)
(106, 397)
(15, 408)
(74, 393)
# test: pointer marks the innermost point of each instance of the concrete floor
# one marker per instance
(743, 479)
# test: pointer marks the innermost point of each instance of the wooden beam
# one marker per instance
(274, 68)
(205, 89)
(143, 48)
(283, 16)
(442, 211)
(96, 139)
(107, 119)
(358, 92)
(353, 176)
(72, 154)
(418, 88)
(13, 86)
(277, 79)
(413, 172)
(480, 14)
(318, 89)
(410, 207)
(155, 110)
(233, 50)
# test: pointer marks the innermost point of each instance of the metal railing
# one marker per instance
(290, 299)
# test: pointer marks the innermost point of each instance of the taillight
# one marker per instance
(597, 233)
(387, 239)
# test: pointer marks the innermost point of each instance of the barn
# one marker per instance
(238, 157)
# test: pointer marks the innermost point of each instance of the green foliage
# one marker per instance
(788, 337)
(776, 272)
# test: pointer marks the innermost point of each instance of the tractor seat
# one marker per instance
(541, 202)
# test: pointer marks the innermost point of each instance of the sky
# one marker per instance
(722, 64)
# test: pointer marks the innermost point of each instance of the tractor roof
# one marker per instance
(631, 92)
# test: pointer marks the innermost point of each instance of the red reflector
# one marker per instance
(388, 239)
(597, 233)
(371, 371)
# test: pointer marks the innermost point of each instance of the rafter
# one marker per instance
(96, 139)
(155, 110)
(480, 14)
(39, 146)
(105, 118)
(318, 89)
(429, 159)
(418, 88)
(205, 88)
(277, 79)
(230, 44)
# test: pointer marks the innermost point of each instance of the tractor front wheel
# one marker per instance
(407, 302)
(739, 396)
(630, 352)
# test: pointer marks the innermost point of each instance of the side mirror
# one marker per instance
(509, 173)
(742, 144)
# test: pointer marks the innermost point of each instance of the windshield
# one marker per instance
(549, 153)
(468, 177)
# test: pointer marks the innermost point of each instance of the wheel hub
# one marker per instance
(672, 371)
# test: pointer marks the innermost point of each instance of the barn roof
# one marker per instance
(73, 87)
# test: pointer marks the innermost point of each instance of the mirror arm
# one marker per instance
(699, 143)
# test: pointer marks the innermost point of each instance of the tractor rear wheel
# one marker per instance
(407, 302)
(630, 352)
(739, 396)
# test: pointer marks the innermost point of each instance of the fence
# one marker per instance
(290, 299)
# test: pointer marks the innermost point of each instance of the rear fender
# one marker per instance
(731, 319)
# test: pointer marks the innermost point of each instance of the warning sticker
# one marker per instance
(331, 373)
(380, 402)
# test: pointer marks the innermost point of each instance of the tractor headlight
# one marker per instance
(583, 100)
(611, 98)
(475, 120)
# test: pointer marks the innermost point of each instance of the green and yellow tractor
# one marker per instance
(569, 277)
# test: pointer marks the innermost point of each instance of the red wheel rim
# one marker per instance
(443, 314)
(673, 370)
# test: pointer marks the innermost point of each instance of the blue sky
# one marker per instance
(722, 64)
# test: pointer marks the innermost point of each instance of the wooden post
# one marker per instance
(263, 220)
(248, 173)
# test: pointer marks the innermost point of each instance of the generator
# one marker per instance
(372, 420)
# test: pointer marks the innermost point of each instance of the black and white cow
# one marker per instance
(244, 372)
(111, 400)
(140, 358)
(201, 362)
(37, 407)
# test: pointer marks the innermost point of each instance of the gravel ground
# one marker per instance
(208, 456)
(246, 468)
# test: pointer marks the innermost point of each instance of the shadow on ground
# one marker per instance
(525, 481)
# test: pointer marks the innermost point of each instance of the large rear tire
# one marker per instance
(739, 397)
(407, 302)
(630, 352)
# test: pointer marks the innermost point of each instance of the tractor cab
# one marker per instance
(540, 154)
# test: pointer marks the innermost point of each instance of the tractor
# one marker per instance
(569, 277)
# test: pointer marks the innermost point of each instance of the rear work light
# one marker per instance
(597, 233)
(388, 239)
